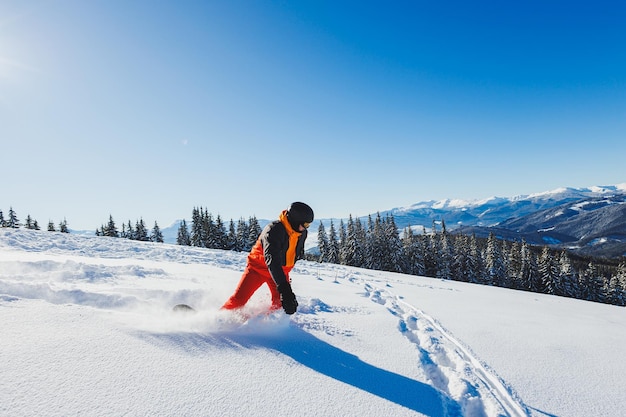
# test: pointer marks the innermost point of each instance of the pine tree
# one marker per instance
(141, 232)
(208, 230)
(156, 235)
(243, 236)
(197, 239)
(341, 241)
(2, 221)
(529, 274)
(584, 283)
(445, 254)
(621, 274)
(413, 252)
(13, 222)
(231, 238)
(361, 236)
(376, 250)
(496, 270)
(514, 266)
(29, 222)
(458, 268)
(346, 250)
(183, 237)
(548, 270)
(322, 242)
(431, 251)
(332, 254)
(220, 235)
(130, 232)
(569, 280)
(593, 284)
(394, 260)
(255, 231)
(111, 229)
(52, 229)
(617, 293)
(505, 252)
(354, 247)
(63, 226)
(474, 264)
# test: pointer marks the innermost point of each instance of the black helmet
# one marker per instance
(299, 213)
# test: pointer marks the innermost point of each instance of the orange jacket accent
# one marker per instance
(290, 256)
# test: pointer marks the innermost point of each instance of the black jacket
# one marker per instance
(275, 242)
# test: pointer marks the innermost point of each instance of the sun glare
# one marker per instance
(4, 67)
(9, 66)
(11, 49)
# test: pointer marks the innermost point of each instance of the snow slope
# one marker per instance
(87, 329)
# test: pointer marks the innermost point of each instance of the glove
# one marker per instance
(287, 298)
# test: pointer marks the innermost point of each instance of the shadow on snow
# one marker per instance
(328, 360)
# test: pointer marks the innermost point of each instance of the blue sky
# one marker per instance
(150, 108)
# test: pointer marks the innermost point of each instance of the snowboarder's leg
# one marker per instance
(250, 281)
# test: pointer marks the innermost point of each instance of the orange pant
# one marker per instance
(253, 277)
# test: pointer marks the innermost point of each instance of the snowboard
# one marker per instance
(207, 320)
(229, 320)
(183, 308)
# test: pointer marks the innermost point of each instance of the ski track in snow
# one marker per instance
(451, 367)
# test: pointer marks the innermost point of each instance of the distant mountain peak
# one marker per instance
(558, 193)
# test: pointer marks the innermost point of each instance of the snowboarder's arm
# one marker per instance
(274, 251)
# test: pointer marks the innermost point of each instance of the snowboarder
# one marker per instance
(272, 257)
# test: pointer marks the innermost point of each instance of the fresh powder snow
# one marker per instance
(87, 328)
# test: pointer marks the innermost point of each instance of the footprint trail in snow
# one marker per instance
(450, 366)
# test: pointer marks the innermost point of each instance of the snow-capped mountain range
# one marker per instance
(588, 221)
(492, 211)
